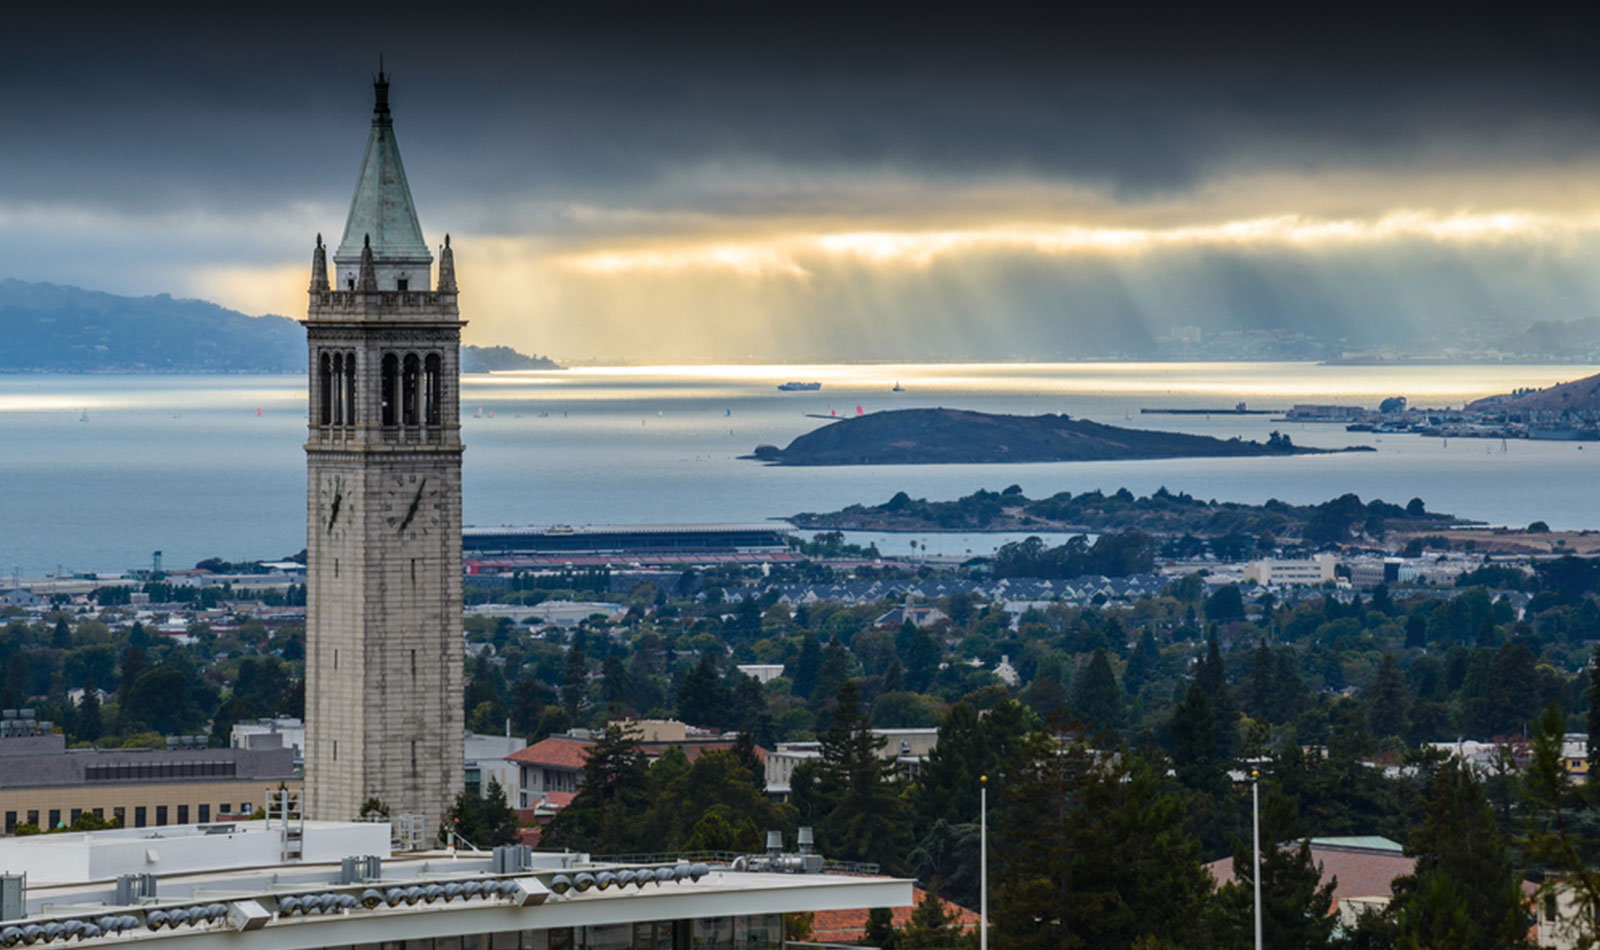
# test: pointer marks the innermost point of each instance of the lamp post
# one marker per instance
(1255, 824)
(983, 862)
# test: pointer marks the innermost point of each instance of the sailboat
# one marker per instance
(897, 387)
(84, 417)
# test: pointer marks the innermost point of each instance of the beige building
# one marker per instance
(44, 784)
(1274, 573)
(383, 506)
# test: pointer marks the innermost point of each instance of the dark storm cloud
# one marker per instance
(170, 112)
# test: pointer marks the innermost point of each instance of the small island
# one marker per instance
(943, 436)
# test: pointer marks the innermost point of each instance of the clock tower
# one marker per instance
(383, 508)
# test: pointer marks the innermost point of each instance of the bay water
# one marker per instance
(98, 471)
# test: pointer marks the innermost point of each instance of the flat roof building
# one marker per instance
(47, 785)
(226, 887)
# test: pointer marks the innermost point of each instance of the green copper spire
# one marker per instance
(382, 207)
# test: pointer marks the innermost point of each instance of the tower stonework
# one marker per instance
(383, 508)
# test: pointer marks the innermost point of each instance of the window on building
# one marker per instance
(183, 814)
(338, 388)
(119, 814)
(161, 815)
(33, 817)
(401, 284)
(55, 817)
(11, 822)
(99, 812)
(410, 382)
(349, 389)
(76, 813)
(388, 396)
(325, 390)
(1550, 907)
(430, 389)
(139, 816)
(245, 809)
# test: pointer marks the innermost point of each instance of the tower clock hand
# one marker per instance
(416, 502)
(333, 516)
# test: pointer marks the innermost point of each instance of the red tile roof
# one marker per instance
(560, 752)
(850, 926)
(1360, 872)
(565, 752)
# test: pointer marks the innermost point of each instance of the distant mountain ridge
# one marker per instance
(58, 328)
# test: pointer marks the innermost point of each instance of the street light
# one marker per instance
(983, 864)
(1255, 822)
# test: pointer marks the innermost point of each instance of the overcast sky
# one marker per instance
(678, 183)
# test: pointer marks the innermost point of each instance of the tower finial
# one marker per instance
(380, 89)
(447, 268)
(367, 277)
(319, 268)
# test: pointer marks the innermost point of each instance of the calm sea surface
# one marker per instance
(96, 472)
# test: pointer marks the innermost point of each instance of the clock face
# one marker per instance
(413, 505)
(333, 502)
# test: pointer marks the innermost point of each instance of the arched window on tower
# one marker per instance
(408, 390)
(325, 390)
(349, 389)
(389, 397)
(430, 389)
(338, 389)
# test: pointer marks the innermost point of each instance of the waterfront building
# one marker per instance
(1270, 572)
(383, 525)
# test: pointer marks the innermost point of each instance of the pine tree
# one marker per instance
(867, 821)
(807, 666)
(1098, 700)
(930, 927)
(89, 725)
(831, 675)
(1256, 693)
(701, 699)
(880, 930)
(1296, 904)
(1045, 694)
(605, 815)
(1459, 849)
(575, 684)
(1142, 666)
(1594, 707)
(1388, 699)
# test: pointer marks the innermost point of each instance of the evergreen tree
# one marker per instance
(1198, 756)
(1142, 666)
(575, 684)
(605, 815)
(1046, 695)
(807, 667)
(880, 930)
(487, 821)
(61, 638)
(615, 689)
(1296, 906)
(1257, 692)
(930, 927)
(867, 821)
(831, 675)
(947, 784)
(1459, 851)
(1097, 700)
(89, 725)
(1594, 706)
(919, 654)
(701, 699)
(1387, 700)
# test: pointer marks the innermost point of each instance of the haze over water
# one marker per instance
(185, 465)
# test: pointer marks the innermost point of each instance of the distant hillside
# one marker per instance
(62, 329)
(1581, 395)
(932, 436)
(500, 359)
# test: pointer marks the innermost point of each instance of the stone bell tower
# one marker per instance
(383, 508)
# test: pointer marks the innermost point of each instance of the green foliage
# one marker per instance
(486, 821)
